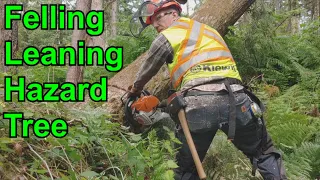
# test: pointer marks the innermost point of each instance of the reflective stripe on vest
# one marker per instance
(195, 43)
(181, 25)
(214, 36)
(193, 39)
(197, 59)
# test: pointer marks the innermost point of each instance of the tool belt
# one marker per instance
(215, 93)
(176, 102)
(201, 93)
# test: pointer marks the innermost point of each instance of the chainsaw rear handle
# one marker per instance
(124, 96)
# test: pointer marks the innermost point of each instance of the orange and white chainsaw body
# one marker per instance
(145, 112)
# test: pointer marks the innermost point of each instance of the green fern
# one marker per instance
(224, 161)
(292, 134)
(303, 163)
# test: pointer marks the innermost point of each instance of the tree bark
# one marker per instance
(7, 35)
(289, 27)
(319, 8)
(114, 13)
(225, 14)
(75, 73)
(278, 6)
(312, 9)
(295, 25)
(97, 40)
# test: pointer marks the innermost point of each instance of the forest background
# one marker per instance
(276, 44)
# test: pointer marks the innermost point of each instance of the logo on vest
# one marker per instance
(198, 68)
(195, 69)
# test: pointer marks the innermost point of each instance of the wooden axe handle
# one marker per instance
(195, 156)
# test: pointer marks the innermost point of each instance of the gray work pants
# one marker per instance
(208, 113)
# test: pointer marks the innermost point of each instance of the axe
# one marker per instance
(177, 104)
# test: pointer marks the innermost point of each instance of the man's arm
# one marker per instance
(159, 53)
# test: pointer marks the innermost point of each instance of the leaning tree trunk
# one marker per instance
(216, 13)
(7, 35)
(221, 14)
(75, 73)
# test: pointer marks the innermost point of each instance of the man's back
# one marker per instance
(199, 52)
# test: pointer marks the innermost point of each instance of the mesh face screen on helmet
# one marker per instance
(142, 18)
(157, 5)
(148, 9)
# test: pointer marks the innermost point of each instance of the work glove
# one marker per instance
(133, 92)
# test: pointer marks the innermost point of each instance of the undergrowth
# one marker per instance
(294, 130)
(95, 147)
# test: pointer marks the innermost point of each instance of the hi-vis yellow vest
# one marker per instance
(199, 52)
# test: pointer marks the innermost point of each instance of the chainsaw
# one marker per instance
(143, 111)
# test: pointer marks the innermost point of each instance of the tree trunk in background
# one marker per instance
(7, 35)
(97, 40)
(295, 25)
(318, 8)
(114, 12)
(24, 33)
(289, 27)
(2, 33)
(312, 9)
(60, 36)
(75, 73)
(273, 5)
(319, 15)
(225, 14)
(278, 6)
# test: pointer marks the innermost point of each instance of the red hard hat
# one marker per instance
(166, 3)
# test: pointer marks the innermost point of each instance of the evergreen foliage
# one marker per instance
(283, 59)
(266, 54)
